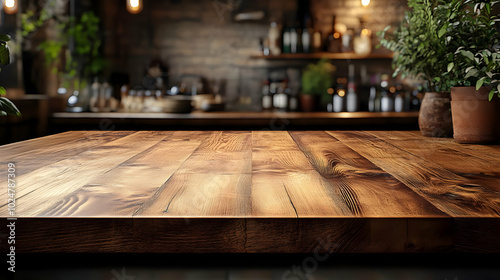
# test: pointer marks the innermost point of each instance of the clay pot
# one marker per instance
(434, 118)
(475, 119)
(308, 103)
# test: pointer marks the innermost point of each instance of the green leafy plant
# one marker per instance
(475, 53)
(6, 106)
(317, 78)
(75, 53)
(420, 44)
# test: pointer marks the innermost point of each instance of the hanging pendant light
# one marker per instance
(365, 3)
(10, 6)
(134, 6)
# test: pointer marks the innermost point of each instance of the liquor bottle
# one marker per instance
(352, 96)
(347, 41)
(399, 99)
(274, 39)
(362, 41)
(287, 39)
(339, 96)
(293, 98)
(316, 38)
(264, 46)
(334, 39)
(280, 99)
(94, 97)
(371, 101)
(294, 40)
(386, 100)
(399, 102)
(267, 98)
(307, 33)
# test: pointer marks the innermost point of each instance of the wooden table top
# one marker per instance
(387, 191)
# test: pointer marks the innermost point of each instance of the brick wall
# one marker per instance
(200, 37)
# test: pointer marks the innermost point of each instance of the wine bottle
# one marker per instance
(334, 39)
(352, 96)
(306, 36)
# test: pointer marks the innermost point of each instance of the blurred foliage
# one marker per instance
(317, 78)
(74, 52)
(6, 106)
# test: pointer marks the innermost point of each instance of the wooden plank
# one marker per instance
(41, 143)
(284, 183)
(214, 181)
(49, 150)
(44, 187)
(299, 195)
(136, 180)
(483, 171)
(358, 183)
(191, 195)
(428, 179)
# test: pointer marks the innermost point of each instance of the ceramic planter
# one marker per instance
(475, 119)
(434, 118)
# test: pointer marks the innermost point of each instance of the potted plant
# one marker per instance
(316, 80)
(6, 106)
(475, 101)
(73, 53)
(419, 51)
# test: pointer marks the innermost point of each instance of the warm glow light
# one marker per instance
(330, 91)
(341, 92)
(134, 6)
(365, 3)
(10, 6)
(336, 35)
(365, 32)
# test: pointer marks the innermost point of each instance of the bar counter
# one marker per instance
(252, 192)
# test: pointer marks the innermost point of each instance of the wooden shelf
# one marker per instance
(334, 56)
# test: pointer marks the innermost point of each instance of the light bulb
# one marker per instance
(365, 3)
(10, 6)
(134, 6)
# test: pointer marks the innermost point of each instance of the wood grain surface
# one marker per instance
(252, 191)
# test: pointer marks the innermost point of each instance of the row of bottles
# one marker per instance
(278, 96)
(303, 38)
(346, 95)
(382, 97)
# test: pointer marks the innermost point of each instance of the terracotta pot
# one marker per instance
(308, 103)
(475, 119)
(434, 118)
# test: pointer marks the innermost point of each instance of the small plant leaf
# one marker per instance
(490, 96)
(479, 83)
(450, 66)
(9, 107)
(4, 54)
(4, 37)
(471, 73)
(2, 91)
(468, 54)
(442, 31)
